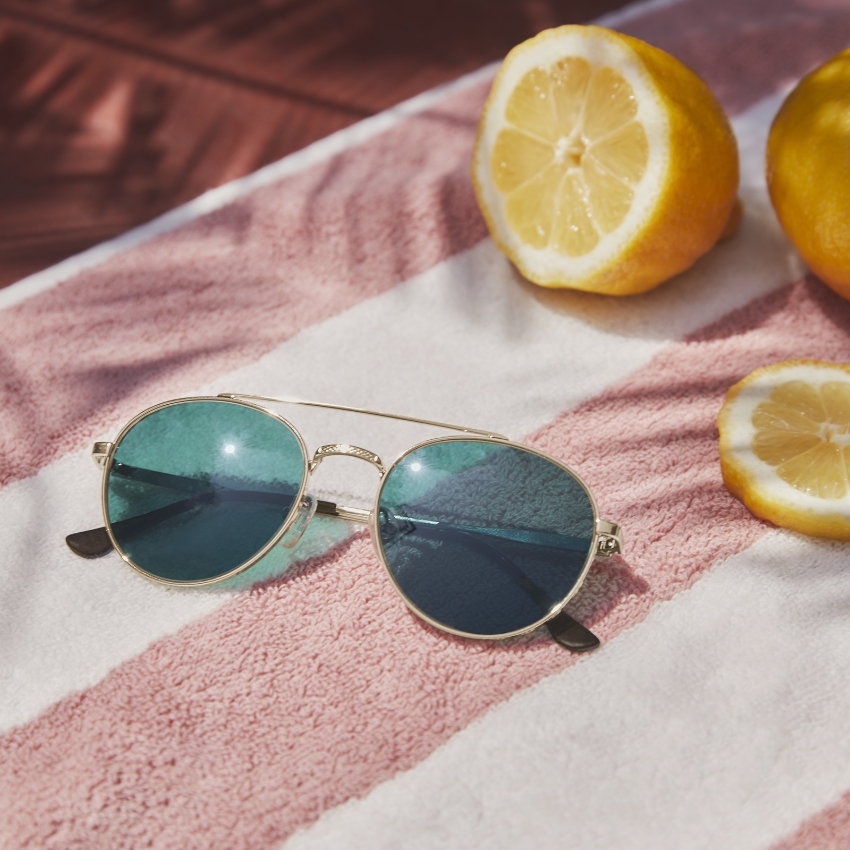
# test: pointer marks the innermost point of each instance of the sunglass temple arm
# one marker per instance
(566, 631)
(96, 542)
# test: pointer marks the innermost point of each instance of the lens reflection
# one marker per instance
(198, 488)
(484, 538)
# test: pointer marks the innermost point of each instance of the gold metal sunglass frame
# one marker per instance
(607, 539)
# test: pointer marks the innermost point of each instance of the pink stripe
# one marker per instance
(172, 314)
(312, 689)
(827, 830)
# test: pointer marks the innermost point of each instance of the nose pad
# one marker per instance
(305, 514)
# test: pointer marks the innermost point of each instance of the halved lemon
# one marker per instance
(602, 163)
(785, 445)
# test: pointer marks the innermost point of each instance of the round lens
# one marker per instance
(198, 488)
(484, 538)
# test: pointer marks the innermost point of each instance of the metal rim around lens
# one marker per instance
(374, 531)
(290, 519)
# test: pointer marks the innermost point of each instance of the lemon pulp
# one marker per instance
(804, 431)
(570, 156)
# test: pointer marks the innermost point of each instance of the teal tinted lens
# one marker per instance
(198, 488)
(484, 538)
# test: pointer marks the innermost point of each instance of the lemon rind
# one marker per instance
(755, 482)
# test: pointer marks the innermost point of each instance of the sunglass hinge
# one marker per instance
(100, 452)
(609, 538)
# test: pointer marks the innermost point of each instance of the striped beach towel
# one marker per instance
(302, 705)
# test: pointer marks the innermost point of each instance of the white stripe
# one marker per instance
(517, 354)
(722, 720)
(294, 163)
(466, 341)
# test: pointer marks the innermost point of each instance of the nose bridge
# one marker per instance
(349, 451)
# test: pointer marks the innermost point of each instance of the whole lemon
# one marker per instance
(808, 170)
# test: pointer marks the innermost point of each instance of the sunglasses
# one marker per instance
(481, 537)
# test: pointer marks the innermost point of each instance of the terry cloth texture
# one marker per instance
(302, 705)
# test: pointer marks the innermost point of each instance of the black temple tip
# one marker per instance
(571, 634)
(89, 544)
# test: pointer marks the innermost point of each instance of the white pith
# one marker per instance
(600, 50)
(738, 433)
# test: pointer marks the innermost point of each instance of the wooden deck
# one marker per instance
(113, 111)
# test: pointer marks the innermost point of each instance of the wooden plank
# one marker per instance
(114, 112)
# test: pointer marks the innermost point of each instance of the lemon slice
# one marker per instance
(602, 163)
(785, 445)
